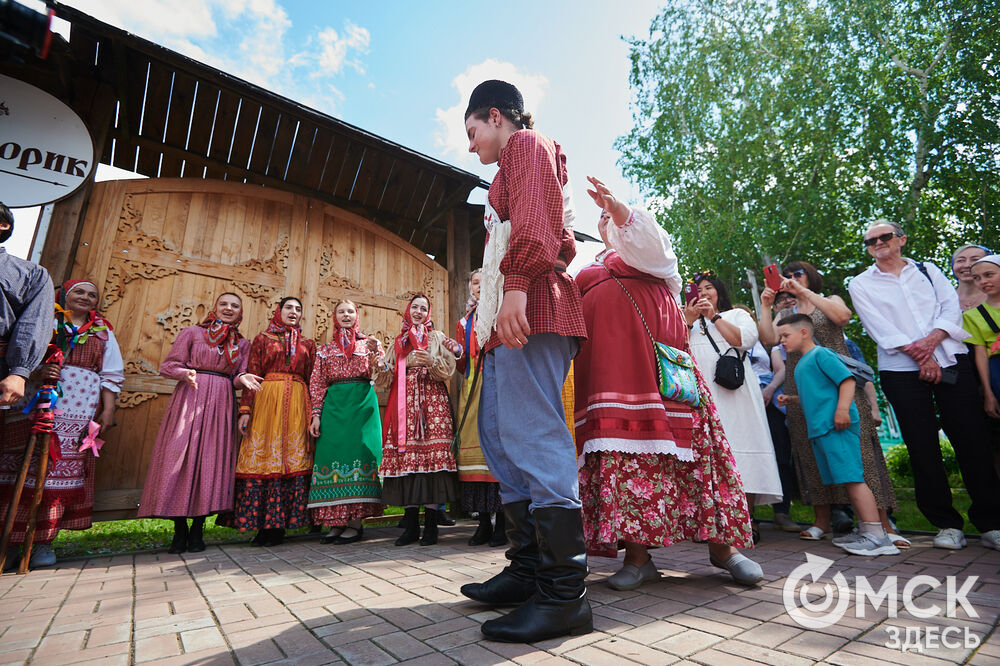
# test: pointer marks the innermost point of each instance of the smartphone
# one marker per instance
(949, 375)
(772, 277)
(691, 293)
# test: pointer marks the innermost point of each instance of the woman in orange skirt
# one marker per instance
(275, 459)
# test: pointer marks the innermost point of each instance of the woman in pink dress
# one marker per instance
(191, 472)
(654, 471)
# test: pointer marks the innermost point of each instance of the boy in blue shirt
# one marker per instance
(826, 394)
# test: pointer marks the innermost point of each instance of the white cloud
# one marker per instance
(246, 38)
(450, 136)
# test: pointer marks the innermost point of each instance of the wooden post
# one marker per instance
(63, 236)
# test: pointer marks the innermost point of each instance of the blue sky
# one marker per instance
(404, 70)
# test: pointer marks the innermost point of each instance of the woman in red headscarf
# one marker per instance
(345, 422)
(275, 458)
(90, 379)
(418, 466)
(191, 472)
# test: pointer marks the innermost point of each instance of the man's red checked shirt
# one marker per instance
(527, 190)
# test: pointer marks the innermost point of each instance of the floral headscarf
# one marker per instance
(345, 339)
(412, 337)
(68, 335)
(290, 334)
(222, 335)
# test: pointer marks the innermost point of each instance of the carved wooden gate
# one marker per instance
(162, 249)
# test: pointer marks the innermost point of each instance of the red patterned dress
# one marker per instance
(68, 498)
(274, 463)
(422, 469)
(654, 471)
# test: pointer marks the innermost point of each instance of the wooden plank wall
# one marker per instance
(162, 249)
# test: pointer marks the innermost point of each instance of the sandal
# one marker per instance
(814, 533)
(898, 541)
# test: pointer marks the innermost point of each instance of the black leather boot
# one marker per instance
(196, 540)
(179, 543)
(484, 532)
(411, 526)
(430, 536)
(499, 532)
(560, 606)
(516, 583)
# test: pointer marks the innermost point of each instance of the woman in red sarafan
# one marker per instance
(90, 379)
(275, 458)
(654, 471)
(418, 465)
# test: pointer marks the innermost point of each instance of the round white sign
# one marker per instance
(46, 151)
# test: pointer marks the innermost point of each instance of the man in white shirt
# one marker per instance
(911, 310)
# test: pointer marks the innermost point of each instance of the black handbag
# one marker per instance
(729, 372)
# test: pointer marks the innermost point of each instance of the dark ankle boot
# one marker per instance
(484, 532)
(516, 583)
(195, 539)
(411, 526)
(179, 543)
(430, 536)
(499, 532)
(560, 606)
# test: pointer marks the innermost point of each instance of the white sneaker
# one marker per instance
(990, 539)
(950, 538)
(869, 544)
(42, 555)
(851, 537)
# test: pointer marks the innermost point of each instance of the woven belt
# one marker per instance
(351, 380)
(212, 372)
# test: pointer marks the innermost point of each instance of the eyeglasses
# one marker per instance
(797, 273)
(885, 238)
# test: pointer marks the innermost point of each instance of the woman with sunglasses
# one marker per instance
(829, 315)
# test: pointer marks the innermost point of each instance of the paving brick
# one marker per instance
(110, 634)
(402, 646)
(157, 647)
(687, 642)
(364, 652)
(476, 655)
(197, 640)
(635, 652)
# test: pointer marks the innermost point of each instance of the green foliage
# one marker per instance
(897, 459)
(778, 129)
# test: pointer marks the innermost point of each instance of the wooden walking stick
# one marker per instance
(29, 532)
(15, 498)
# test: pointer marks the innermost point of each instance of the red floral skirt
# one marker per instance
(658, 500)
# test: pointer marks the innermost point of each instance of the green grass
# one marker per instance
(907, 517)
(127, 536)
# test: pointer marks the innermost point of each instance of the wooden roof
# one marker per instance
(171, 116)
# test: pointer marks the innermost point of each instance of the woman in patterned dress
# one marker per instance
(829, 314)
(90, 380)
(345, 423)
(654, 471)
(480, 491)
(275, 459)
(418, 466)
(191, 472)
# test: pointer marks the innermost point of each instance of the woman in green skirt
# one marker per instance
(345, 422)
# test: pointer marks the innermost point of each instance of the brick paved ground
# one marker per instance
(373, 603)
